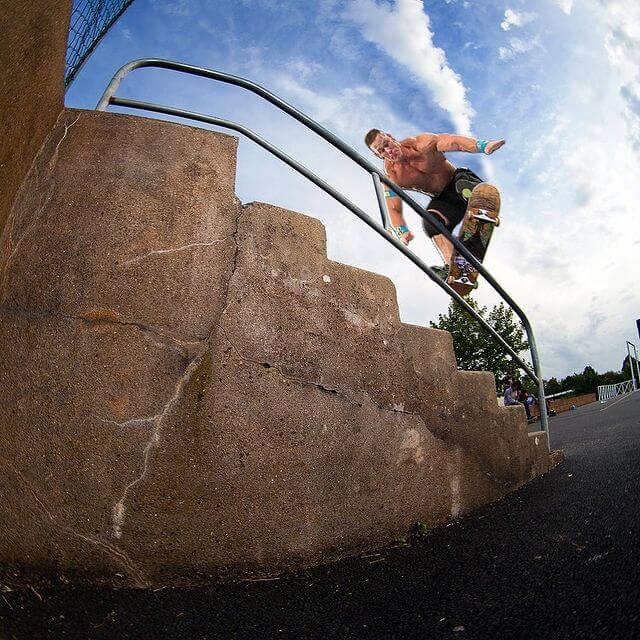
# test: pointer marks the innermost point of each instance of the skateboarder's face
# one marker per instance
(384, 146)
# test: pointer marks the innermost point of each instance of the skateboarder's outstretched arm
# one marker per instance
(451, 142)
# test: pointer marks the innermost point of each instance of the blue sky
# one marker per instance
(559, 79)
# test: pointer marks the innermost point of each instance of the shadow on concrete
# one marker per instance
(557, 559)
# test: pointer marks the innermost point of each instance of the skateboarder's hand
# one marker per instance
(494, 145)
(402, 233)
(406, 238)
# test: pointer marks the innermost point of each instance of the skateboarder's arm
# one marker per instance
(394, 207)
(396, 218)
(450, 142)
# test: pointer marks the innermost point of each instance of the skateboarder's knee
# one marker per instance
(429, 228)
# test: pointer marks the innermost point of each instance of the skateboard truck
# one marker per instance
(466, 269)
(483, 216)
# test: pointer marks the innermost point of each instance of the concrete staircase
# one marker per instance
(191, 390)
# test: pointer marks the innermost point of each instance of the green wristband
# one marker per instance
(481, 145)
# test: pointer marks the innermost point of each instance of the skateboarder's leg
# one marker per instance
(444, 247)
(441, 243)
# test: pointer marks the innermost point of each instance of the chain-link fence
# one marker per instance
(90, 20)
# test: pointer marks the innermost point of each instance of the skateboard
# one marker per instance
(481, 218)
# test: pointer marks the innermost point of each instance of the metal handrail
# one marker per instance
(378, 177)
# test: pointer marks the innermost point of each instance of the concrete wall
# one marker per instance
(32, 59)
(191, 390)
(564, 404)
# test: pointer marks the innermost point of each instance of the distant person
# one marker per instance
(513, 395)
(510, 396)
(509, 378)
(521, 397)
(529, 401)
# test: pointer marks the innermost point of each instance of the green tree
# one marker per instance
(475, 349)
(590, 380)
(610, 377)
(553, 386)
(626, 367)
(582, 383)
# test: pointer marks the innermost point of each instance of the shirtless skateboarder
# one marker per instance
(419, 164)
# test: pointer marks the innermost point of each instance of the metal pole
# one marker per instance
(637, 364)
(633, 361)
(381, 201)
(633, 373)
(542, 398)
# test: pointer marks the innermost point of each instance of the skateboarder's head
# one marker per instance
(384, 145)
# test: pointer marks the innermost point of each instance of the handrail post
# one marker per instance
(542, 398)
(633, 373)
(381, 201)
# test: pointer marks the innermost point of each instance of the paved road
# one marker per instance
(558, 559)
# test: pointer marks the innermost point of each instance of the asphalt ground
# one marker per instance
(557, 559)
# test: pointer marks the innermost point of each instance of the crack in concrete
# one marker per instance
(127, 423)
(318, 385)
(54, 155)
(119, 509)
(234, 262)
(111, 317)
(115, 552)
(108, 316)
(140, 258)
(44, 201)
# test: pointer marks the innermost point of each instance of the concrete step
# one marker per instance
(291, 308)
(190, 389)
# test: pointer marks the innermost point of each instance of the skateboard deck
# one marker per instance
(480, 220)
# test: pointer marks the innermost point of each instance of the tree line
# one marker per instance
(476, 350)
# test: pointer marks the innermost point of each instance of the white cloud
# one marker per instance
(350, 111)
(565, 5)
(304, 68)
(403, 31)
(623, 48)
(515, 19)
(516, 47)
(566, 237)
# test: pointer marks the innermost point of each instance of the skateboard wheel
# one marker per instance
(497, 222)
(475, 285)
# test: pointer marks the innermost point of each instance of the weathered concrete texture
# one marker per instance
(129, 246)
(113, 271)
(32, 59)
(343, 332)
(191, 390)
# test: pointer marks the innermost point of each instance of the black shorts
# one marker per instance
(452, 202)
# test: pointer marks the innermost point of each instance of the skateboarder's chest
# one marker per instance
(424, 175)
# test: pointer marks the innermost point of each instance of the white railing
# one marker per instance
(608, 391)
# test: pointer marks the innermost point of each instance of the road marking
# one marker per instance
(626, 397)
